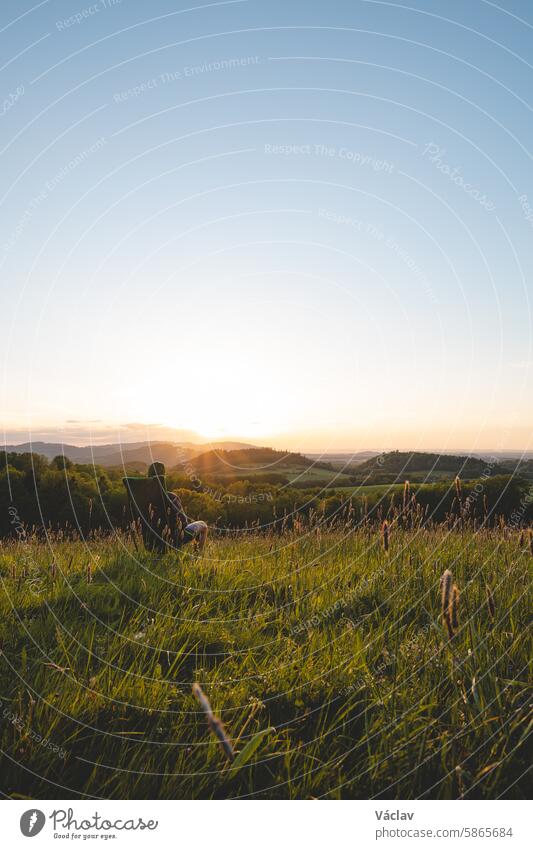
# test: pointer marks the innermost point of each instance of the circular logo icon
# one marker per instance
(32, 822)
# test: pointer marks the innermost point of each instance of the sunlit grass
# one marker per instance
(326, 642)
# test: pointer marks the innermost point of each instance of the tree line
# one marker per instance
(83, 498)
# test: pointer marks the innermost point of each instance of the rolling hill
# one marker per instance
(141, 454)
(267, 464)
(418, 465)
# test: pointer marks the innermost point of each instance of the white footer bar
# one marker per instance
(266, 824)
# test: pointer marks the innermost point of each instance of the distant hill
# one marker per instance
(227, 461)
(406, 463)
(245, 459)
(268, 466)
(163, 452)
(116, 454)
(76, 453)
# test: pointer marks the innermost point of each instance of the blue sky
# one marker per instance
(302, 224)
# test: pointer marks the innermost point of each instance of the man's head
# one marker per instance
(156, 470)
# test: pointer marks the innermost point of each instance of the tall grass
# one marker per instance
(322, 652)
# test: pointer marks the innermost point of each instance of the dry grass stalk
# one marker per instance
(455, 608)
(385, 531)
(406, 494)
(447, 585)
(214, 722)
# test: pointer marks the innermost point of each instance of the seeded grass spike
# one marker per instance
(455, 608)
(385, 531)
(447, 584)
(214, 722)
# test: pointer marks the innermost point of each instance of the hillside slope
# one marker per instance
(118, 454)
(267, 465)
(405, 463)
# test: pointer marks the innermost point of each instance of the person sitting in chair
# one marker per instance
(192, 531)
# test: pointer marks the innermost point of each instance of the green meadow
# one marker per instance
(323, 653)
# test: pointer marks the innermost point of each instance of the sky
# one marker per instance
(303, 225)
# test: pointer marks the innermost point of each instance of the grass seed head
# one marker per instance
(455, 608)
(214, 723)
(385, 532)
(447, 585)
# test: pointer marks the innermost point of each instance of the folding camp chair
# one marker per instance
(152, 512)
